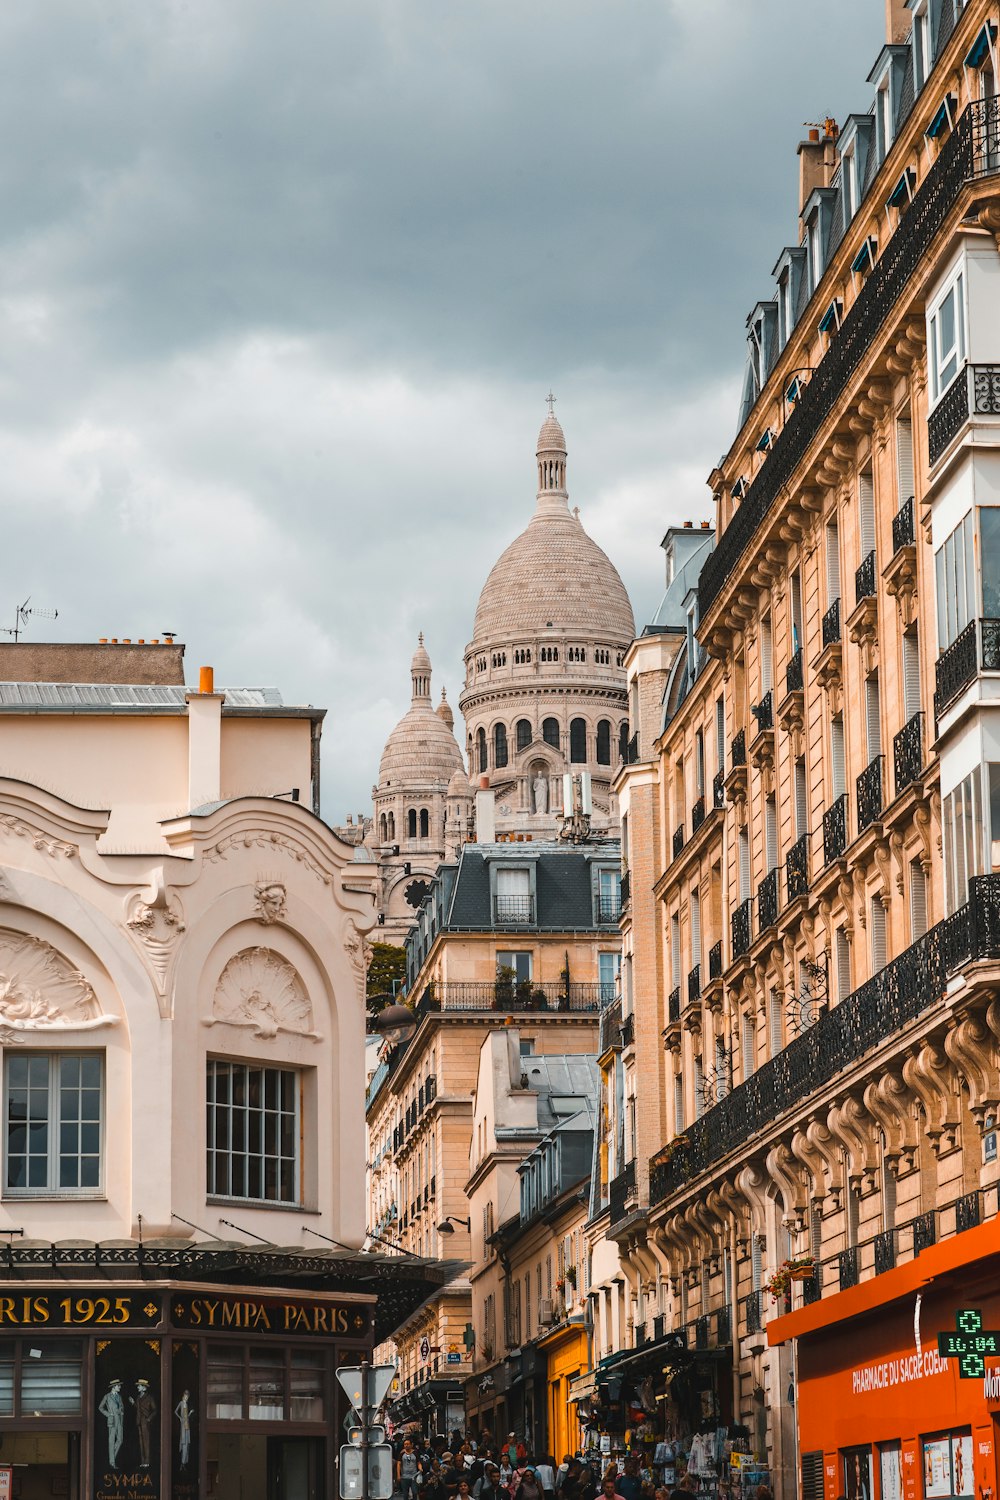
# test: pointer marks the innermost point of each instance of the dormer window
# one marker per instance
(866, 257)
(786, 319)
(883, 118)
(852, 191)
(815, 250)
(922, 59)
(830, 321)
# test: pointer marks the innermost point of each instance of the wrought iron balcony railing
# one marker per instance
(967, 1212)
(902, 527)
(848, 1267)
(609, 908)
(869, 789)
(793, 673)
(517, 909)
(864, 579)
(831, 625)
(763, 712)
(694, 984)
(715, 961)
(511, 994)
(754, 1305)
(741, 929)
(697, 815)
(625, 889)
(767, 901)
(628, 1029)
(969, 152)
(719, 789)
(975, 391)
(678, 839)
(724, 1327)
(924, 1231)
(835, 830)
(976, 648)
(908, 753)
(738, 749)
(701, 1331)
(632, 750)
(885, 1251)
(674, 1004)
(898, 994)
(610, 1032)
(797, 869)
(812, 1286)
(619, 1190)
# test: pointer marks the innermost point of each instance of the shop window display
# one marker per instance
(948, 1466)
(858, 1473)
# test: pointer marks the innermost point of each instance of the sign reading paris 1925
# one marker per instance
(76, 1309)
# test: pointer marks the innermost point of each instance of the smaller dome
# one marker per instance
(444, 712)
(421, 661)
(459, 786)
(551, 438)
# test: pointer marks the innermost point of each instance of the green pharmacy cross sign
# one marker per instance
(969, 1344)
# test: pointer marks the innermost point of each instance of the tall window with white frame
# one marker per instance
(53, 1124)
(946, 336)
(253, 1132)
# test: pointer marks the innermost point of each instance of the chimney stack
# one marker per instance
(204, 740)
(817, 159)
(486, 832)
(897, 21)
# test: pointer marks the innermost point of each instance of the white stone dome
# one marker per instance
(422, 748)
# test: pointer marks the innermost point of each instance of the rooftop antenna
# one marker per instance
(23, 614)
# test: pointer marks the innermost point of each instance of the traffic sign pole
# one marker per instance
(364, 1429)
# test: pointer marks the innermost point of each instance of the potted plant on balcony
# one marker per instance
(666, 1153)
(571, 1276)
(503, 987)
(564, 983)
(525, 996)
(798, 1268)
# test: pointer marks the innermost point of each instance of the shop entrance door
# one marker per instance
(256, 1466)
(44, 1463)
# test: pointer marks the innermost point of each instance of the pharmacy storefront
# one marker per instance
(174, 1390)
(882, 1412)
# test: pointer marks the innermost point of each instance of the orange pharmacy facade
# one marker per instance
(880, 1414)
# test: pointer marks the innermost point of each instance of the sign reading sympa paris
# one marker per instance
(970, 1344)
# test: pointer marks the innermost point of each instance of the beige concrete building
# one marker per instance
(181, 1041)
(544, 687)
(811, 815)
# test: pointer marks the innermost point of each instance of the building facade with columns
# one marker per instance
(821, 930)
(181, 1043)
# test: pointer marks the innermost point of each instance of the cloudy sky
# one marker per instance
(283, 284)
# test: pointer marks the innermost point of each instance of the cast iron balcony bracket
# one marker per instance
(969, 152)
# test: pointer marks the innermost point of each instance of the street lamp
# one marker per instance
(447, 1226)
(395, 1022)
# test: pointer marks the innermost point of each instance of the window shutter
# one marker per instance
(873, 717)
(766, 679)
(777, 1036)
(837, 757)
(867, 507)
(771, 831)
(678, 1104)
(918, 900)
(832, 564)
(720, 734)
(888, 1193)
(904, 461)
(749, 1048)
(721, 1069)
(877, 919)
(801, 799)
(699, 1088)
(812, 1476)
(843, 965)
(675, 949)
(695, 928)
(795, 585)
(744, 864)
(911, 674)
(756, 1260)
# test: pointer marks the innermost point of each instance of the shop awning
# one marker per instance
(582, 1387)
(957, 1253)
(400, 1284)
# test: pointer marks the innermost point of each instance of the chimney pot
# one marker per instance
(814, 133)
(688, 525)
(104, 640)
(484, 783)
(206, 680)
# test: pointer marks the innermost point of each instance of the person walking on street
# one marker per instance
(407, 1467)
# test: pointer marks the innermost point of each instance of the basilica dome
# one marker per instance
(553, 576)
(422, 748)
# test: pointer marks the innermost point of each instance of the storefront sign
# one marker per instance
(285, 1315)
(56, 1309)
(969, 1344)
(890, 1372)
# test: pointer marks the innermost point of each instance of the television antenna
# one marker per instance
(23, 614)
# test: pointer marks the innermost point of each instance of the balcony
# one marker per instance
(678, 840)
(628, 1029)
(967, 153)
(609, 909)
(701, 1331)
(902, 527)
(724, 1327)
(620, 1188)
(507, 995)
(975, 392)
(763, 712)
(793, 673)
(885, 1251)
(835, 830)
(715, 961)
(741, 930)
(864, 579)
(754, 1306)
(674, 1004)
(967, 1213)
(924, 1232)
(848, 1268)
(908, 753)
(869, 789)
(767, 902)
(797, 869)
(812, 1286)
(697, 815)
(625, 890)
(514, 910)
(976, 648)
(894, 997)
(831, 625)
(632, 750)
(738, 749)
(719, 789)
(694, 984)
(610, 1032)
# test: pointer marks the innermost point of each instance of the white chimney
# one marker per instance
(204, 741)
(486, 829)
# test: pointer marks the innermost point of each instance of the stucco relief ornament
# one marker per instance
(41, 841)
(41, 991)
(269, 901)
(157, 921)
(260, 989)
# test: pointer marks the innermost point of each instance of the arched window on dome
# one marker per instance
(499, 745)
(550, 732)
(411, 823)
(392, 828)
(623, 740)
(425, 823)
(481, 750)
(578, 740)
(523, 732)
(383, 829)
(604, 742)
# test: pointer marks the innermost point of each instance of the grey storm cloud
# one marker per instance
(282, 287)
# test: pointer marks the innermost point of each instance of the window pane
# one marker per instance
(267, 1387)
(225, 1384)
(52, 1383)
(253, 1141)
(989, 553)
(6, 1379)
(307, 1385)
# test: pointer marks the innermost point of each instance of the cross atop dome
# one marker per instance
(551, 402)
